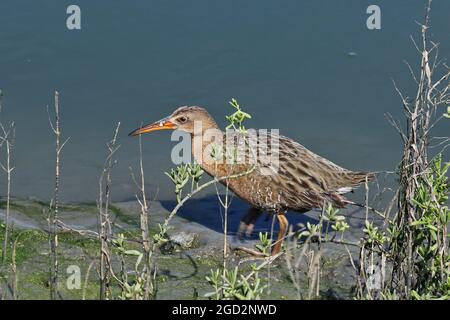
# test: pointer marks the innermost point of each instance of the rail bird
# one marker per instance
(293, 179)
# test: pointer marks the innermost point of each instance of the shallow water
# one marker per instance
(310, 68)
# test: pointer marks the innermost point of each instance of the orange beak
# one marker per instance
(162, 124)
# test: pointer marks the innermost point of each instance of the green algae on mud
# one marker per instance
(180, 275)
(181, 271)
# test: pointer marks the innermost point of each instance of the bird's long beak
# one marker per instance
(163, 124)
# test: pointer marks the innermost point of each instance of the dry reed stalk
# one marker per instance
(54, 205)
(105, 226)
(148, 247)
(7, 138)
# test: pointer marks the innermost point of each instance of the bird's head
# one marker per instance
(184, 118)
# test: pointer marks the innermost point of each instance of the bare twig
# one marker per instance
(7, 138)
(105, 228)
(54, 211)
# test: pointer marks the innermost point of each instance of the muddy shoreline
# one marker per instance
(197, 247)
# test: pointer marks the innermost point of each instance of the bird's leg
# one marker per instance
(283, 224)
(248, 222)
(246, 228)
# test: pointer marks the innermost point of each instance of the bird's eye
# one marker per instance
(182, 119)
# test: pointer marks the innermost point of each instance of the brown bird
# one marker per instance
(284, 176)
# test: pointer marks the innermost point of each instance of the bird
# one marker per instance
(299, 182)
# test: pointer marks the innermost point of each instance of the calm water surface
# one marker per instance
(310, 68)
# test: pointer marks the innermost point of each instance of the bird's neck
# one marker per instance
(202, 145)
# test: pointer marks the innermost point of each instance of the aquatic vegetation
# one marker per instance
(231, 284)
(410, 258)
(265, 243)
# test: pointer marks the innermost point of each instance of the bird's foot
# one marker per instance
(245, 231)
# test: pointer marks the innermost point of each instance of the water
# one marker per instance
(310, 68)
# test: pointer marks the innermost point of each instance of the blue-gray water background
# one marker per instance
(310, 68)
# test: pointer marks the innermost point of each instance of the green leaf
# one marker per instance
(132, 253)
(447, 115)
(138, 261)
